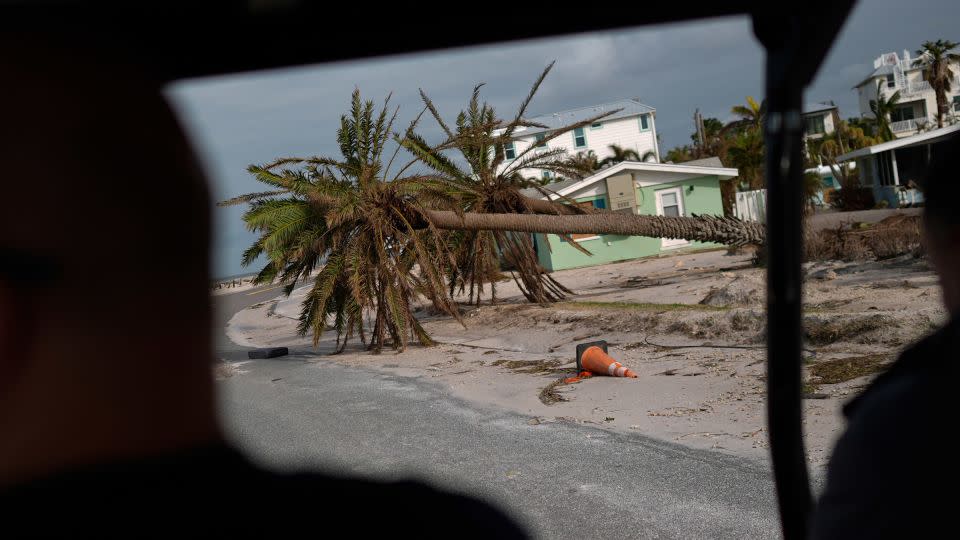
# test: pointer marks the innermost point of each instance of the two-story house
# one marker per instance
(633, 127)
(917, 107)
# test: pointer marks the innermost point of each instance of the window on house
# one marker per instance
(902, 113)
(540, 137)
(596, 203)
(890, 81)
(579, 139)
(547, 175)
(671, 205)
(956, 103)
(813, 125)
(509, 151)
(596, 125)
(644, 122)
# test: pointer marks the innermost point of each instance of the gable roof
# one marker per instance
(571, 116)
(712, 161)
(881, 71)
(811, 108)
(555, 186)
(567, 187)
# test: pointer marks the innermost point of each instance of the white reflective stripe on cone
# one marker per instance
(612, 368)
(620, 371)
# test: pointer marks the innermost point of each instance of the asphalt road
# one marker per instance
(560, 480)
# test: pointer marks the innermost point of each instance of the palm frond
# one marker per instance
(243, 199)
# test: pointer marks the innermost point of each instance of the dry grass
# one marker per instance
(533, 366)
(846, 369)
(835, 244)
(891, 237)
(639, 306)
(825, 332)
(895, 243)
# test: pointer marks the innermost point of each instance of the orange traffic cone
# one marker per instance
(593, 357)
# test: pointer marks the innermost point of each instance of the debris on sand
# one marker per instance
(742, 291)
(549, 394)
(532, 366)
(823, 331)
(846, 369)
(224, 371)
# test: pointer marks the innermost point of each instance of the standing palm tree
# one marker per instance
(881, 108)
(742, 139)
(746, 153)
(489, 184)
(585, 163)
(749, 117)
(866, 125)
(845, 138)
(360, 226)
(937, 56)
(624, 154)
(680, 154)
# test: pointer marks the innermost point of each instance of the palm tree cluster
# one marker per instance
(738, 143)
(454, 218)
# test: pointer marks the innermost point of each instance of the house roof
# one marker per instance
(571, 116)
(881, 71)
(555, 187)
(712, 161)
(567, 187)
(811, 108)
(905, 142)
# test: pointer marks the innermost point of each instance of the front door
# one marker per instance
(670, 204)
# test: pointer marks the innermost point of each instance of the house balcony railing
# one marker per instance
(913, 88)
(907, 90)
(903, 125)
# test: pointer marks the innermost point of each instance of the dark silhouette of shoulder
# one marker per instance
(893, 472)
(217, 491)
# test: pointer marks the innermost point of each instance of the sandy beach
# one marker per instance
(690, 324)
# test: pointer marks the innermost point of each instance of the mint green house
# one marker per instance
(663, 189)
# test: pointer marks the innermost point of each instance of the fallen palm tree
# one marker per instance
(715, 229)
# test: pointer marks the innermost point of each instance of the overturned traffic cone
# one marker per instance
(593, 357)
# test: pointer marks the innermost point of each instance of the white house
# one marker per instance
(819, 119)
(633, 127)
(917, 108)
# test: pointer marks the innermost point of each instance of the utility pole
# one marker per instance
(698, 125)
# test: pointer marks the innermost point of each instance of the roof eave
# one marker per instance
(722, 173)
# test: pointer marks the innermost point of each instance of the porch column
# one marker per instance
(896, 174)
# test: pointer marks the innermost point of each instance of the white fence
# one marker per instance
(752, 205)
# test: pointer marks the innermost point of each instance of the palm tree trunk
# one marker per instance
(720, 230)
(941, 107)
(540, 206)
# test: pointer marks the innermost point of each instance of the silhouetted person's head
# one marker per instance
(104, 237)
(942, 220)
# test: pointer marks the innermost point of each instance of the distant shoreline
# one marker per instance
(232, 284)
(235, 276)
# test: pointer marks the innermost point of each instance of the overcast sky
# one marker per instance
(710, 65)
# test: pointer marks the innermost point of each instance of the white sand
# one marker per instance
(705, 397)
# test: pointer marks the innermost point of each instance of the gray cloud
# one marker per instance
(710, 65)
